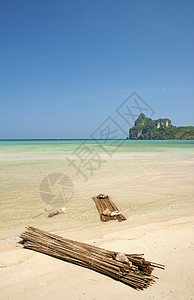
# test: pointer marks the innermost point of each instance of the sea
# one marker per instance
(143, 177)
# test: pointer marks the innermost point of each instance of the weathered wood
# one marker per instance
(107, 204)
(52, 214)
(137, 273)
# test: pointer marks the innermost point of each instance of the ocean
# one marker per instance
(141, 177)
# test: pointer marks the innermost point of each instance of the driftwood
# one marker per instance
(105, 206)
(135, 271)
(55, 213)
(52, 214)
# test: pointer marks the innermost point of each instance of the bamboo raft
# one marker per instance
(136, 272)
(104, 205)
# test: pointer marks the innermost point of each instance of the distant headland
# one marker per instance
(161, 129)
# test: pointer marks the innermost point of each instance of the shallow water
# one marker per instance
(140, 176)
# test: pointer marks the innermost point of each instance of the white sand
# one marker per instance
(29, 275)
(154, 190)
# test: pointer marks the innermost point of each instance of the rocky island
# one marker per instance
(161, 129)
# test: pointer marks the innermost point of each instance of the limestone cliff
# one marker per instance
(161, 129)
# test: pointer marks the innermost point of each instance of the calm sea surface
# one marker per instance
(141, 177)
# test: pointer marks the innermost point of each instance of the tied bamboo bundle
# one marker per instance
(136, 272)
(107, 208)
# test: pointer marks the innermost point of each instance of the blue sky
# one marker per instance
(65, 66)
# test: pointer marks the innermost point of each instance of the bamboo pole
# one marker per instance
(106, 203)
(101, 260)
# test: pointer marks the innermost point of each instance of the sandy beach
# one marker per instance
(29, 275)
(96, 99)
(152, 185)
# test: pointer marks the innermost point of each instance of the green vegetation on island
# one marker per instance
(161, 129)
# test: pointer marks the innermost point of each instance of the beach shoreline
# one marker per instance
(152, 186)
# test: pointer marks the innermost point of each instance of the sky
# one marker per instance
(66, 66)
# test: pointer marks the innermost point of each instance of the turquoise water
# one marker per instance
(12, 146)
